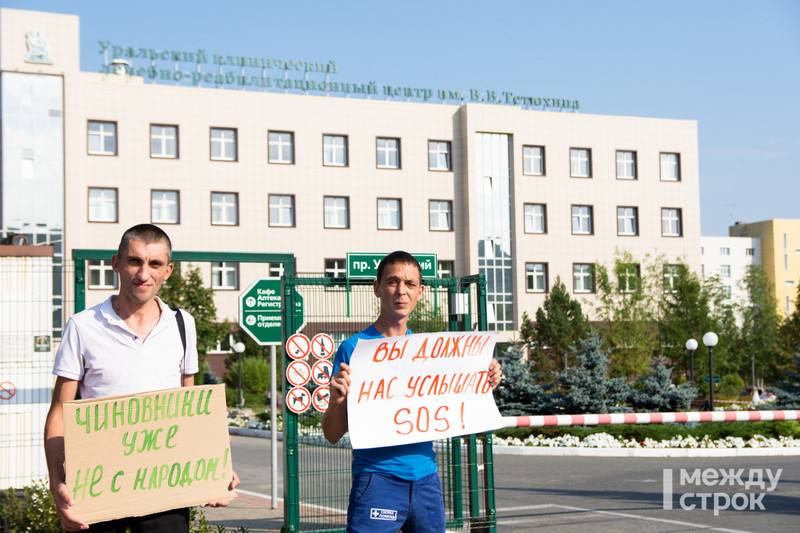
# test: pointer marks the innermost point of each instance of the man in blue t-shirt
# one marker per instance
(394, 487)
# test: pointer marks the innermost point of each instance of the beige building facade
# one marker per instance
(520, 195)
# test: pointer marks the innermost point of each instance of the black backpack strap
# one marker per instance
(182, 331)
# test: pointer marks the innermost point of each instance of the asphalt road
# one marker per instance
(613, 494)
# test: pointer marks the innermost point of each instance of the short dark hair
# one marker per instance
(396, 257)
(148, 233)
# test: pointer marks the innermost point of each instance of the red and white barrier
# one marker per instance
(648, 418)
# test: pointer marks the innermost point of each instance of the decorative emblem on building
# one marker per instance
(38, 48)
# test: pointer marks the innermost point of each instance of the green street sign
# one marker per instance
(716, 379)
(365, 265)
(260, 311)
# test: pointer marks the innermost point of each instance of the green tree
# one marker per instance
(560, 324)
(787, 392)
(427, 319)
(656, 393)
(520, 392)
(586, 387)
(790, 329)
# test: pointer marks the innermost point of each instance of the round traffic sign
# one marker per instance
(321, 372)
(321, 398)
(298, 373)
(298, 346)
(298, 399)
(7, 390)
(322, 346)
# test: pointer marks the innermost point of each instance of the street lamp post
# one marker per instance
(238, 348)
(710, 339)
(691, 345)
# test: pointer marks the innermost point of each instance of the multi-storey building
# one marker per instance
(780, 255)
(729, 258)
(521, 195)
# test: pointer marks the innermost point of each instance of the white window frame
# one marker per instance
(625, 274)
(101, 131)
(221, 275)
(386, 149)
(388, 209)
(336, 212)
(626, 165)
(533, 160)
(281, 210)
(580, 163)
(336, 268)
(224, 208)
(334, 150)
(670, 165)
(627, 221)
(225, 140)
(582, 219)
(440, 215)
(161, 201)
(535, 220)
(671, 276)
(671, 222)
(725, 251)
(536, 277)
(583, 278)
(102, 268)
(163, 141)
(280, 149)
(445, 269)
(101, 207)
(439, 156)
(275, 270)
(725, 271)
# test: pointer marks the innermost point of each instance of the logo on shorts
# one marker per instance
(383, 514)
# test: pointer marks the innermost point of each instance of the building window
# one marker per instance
(535, 218)
(627, 221)
(672, 274)
(445, 269)
(274, 270)
(164, 207)
(536, 277)
(726, 291)
(389, 213)
(334, 150)
(626, 165)
(750, 251)
(440, 215)
(671, 222)
(335, 268)
(670, 167)
(164, 141)
(439, 155)
(102, 205)
(580, 162)
(582, 220)
(533, 160)
(337, 212)
(725, 271)
(281, 210)
(224, 209)
(388, 153)
(724, 251)
(102, 138)
(224, 275)
(101, 275)
(583, 277)
(281, 147)
(628, 275)
(223, 144)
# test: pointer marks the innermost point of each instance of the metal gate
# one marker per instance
(316, 474)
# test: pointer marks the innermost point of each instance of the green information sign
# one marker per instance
(716, 378)
(260, 307)
(365, 265)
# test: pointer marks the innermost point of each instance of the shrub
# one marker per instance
(255, 381)
(731, 386)
(30, 508)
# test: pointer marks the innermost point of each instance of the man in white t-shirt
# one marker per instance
(131, 343)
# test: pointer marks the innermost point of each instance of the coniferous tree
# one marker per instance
(658, 394)
(787, 392)
(520, 392)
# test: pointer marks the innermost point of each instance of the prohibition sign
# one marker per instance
(321, 372)
(298, 399)
(7, 390)
(298, 373)
(320, 399)
(298, 346)
(322, 346)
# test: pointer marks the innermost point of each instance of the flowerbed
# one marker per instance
(604, 440)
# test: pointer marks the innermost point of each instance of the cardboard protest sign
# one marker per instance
(146, 453)
(421, 387)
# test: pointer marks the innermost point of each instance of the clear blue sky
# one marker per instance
(733, 66)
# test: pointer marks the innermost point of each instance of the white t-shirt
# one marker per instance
(109, 359)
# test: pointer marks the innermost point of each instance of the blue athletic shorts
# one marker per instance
(381, 503)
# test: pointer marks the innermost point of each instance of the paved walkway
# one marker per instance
(250, 511)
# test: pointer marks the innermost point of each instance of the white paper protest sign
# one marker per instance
(421, 387)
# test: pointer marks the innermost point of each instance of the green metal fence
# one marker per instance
(316, 474)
